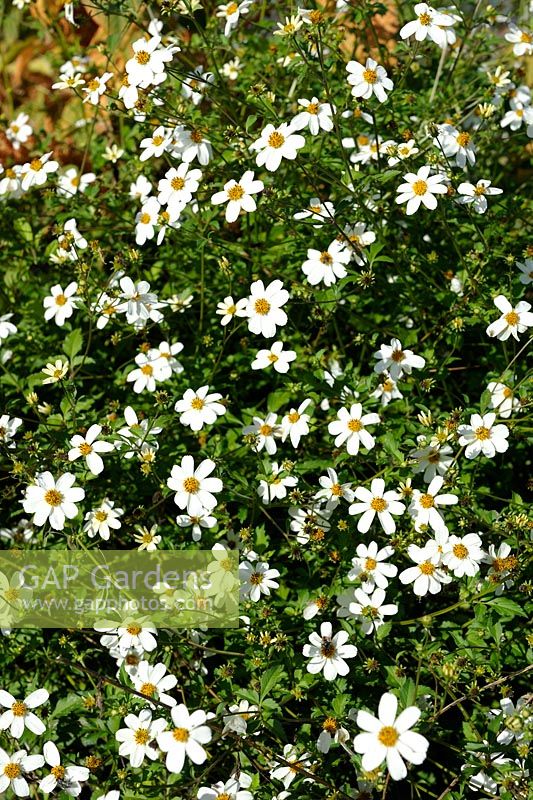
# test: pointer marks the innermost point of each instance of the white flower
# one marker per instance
(156, 144)
(133, 633)
(196, 84)
(350, 428)
(387, 390)
(231, 12)
(60, 304)
(274, 487)
(274, 357)
(518, 115)
(313, 519)
(389, 737)
(483, 436)
(55, 372)
(147, 66)
(456, 143)
(69, 81)
(232, 68)
(287, 772)
(358, 238)
(275, 144)
(424, 506)
(332, 490)
(327, 266)
(371, 610)
(144, 376)
(18, 131)
(462, 555)
(420, 188)
(512, 321)
(503, 399)
(198, 408)
(238, 196)
(135, 432)
(402, 151)
(163, 362)
(316, 116)
(429, 22)
(146, 220)
(187, 738)
(432, 460)
(139, 303)
(147, 538)
(7, 328)
(477, 194)
(501, 565)
(264, 308)
(236, 720)
(426, 576)
(95, 88)
(370, 568)
(103, 520)
(295, 423)
(526, 268)
(198, 521)
(19, 714)
(137, 737)
(231, 789)
(195, 491)
(266, 431)
(229, 309)
(395, 360)
(376, 501)
(70, 182)
(328, 652)
(521, 39)
(8, 429)
(191, 144)
(153, 682)
(257, 579)
(66, 778)
(36, 172)
(140, 189)
(323, 212)
(515, 718)
(12, 769)
(177, 188)
(88, 447)
(324, 741)
(368, 79)
(48, 499)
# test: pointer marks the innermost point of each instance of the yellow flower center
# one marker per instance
(197, 403)
(142, 57)
(36, 164)
(53, 497)
(75, 181)
(507, 392)
(370, 564)
(512, 318)
(12, 770)
(148, 689)
(262, 306)
(181, 735)
(370, 76)
(420, 187)
(480, 190)
(427, 501)
(60, 299)
(388, 736)
(196, 137)
(460, 551)
(157, 140)
(146, 369)
(85, 449)
(265, 430)
(11, 595)
(231, 8)
(191, 485)
(312, 108)
(144, 219)
(236, 192)
(58, 772)
(142, 736)
(325, 258)
(482, 433)
(427, 568)
(293, 417)
(177, 183)
(133, 629)
(256, 578)
(19, 708)
(272, 357)
(387, 386)
(101, 516)
(93, 85)
(527, 38)
(463, 139)
(330, 725)
(224, 795)
(355, 425)
(276, 140)
(397, 356)
(425, 19)
(336, 490)
(378, 504)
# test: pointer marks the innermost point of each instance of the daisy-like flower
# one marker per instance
(95, 88)
(291, 25)
(144, 377)
(327, 266)
(238, 196)
(370, 566)
(195, 491)
(198, 408)
(153, 682)
(376, 501)
(456, 143)
(70, 81)
(332, 490)
(371, 610)
(515, 718)
(477, 194)
(483, 436)
(191, 144)
(503, 399)
(426, 576)
(137, 737)
(424, 508)
(177, 188)
(147, 66)
(186, 738)
(390, 738)
(196, 85)
(18, 131)
(327, 652)
(146, 220)
(369, 79)
(266, 431)
(36, 172)
(295, 423)
(502, 563)
(463, 555)
(13, 769)
(147, 538)
(231, 13)
(51, 500)
(310, 521)
(428, 23)
(350, 428)
(60, 304)
(19, 714)
(197, 523)
(231, 789)
(264, 308)
(55, 372)
(156, 144)
(89, 447)
(358, 238)
(402, 151)
(236, 720)
(275, 486)
(8, 429)
(323, 212)
(102, 520)
(525, 267)
(513, 320)
(228, 309)
(519, 114)
(421, 187)
(71, 182)
(66, 779)
(257, 579)
(275, 357)
(387, 390)
(432, 460)
(7, 328)
(291, 764)
(135, 632)
(163, 360)
(140, 189)
(138, 302)
(275, 144)
(394, 360)
(316, 116)
(521, 39)
(135, 432)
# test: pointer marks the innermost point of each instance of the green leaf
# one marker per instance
(66, 705)
(506, 607)
(269, 680)
(73, 343)
(277, 399)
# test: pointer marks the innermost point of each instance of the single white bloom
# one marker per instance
(60, 305)
(19, 714)
(376, 501)
(257, 579)
(522, 40)
(428, 23)
(95, 88)
(463, 555)
(36, 172)
(195, 491)
(66, 778)
(477, 194)
(483, 436)
(286, 773)
(424, 508)
(156, 144)
(513, 320)
(198, 408)
(152, 681)
(139, 735)
(238, 195)
(103, 520)
(295, 423)
(187, 738)
(394, 360)
(328, 652)
(371, 610)
(503, 399)
(8, 429)
(51, 500)
(432, 460)
(387, 390)
(264, 308)
(267, 431)
(275, 486)
(370, 566)
(231, 12)
(228, 309)
(525, 267)
(421, 187)
(13, 769)
(426, 576)
(275, 144)
(350, 428)
(316, 116)
(275, 357)
(332, 490)
(89, 447)
(369, 79)
(456, 143)
(327, 266)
